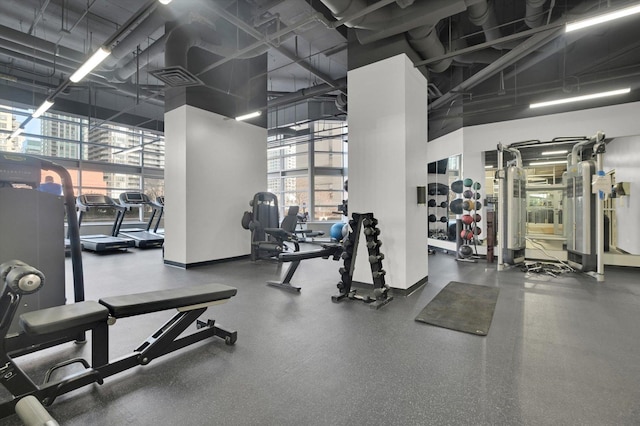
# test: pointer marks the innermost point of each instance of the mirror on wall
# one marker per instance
(544, 168)
(440, 174)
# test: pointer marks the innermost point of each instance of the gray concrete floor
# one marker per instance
(560, 351)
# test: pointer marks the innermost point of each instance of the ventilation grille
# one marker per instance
(176, 76)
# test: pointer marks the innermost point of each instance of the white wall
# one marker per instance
(387, 161)
(615, 121)
(214, 167)
(623, 155)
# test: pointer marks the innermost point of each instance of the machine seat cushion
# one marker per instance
(153, 301)
(64, 317)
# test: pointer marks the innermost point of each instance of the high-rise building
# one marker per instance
(57, 131)
(9, 123)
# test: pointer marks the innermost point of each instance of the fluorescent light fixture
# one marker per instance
(165, 1)
(91, 63)
(130, 150)
(16, 132)
(42, 108)
(248, 116)
(581, 98)
(605, 17)
(547, 163)
(564, 151)
(488, 167)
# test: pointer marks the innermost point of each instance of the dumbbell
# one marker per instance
(370, 222)
(433, 218)
(444, 204)
(380, 293)
(432, 203)
(379, 274)
(376, 258)
(444, 219)
(371, 231)
(373, 244)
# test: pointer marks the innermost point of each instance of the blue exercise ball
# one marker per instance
(336, 231)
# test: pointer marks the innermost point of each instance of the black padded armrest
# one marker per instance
(64, 317)
(153, 301)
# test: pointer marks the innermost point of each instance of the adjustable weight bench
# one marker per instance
(295, 258)
(69, 320)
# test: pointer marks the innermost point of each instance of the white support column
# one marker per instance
(387, 162)
(214, 166)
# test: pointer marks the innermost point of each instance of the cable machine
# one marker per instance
(512, 208)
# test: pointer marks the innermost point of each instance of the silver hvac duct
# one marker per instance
(425, 41)
(482, 15)
(127, 45)
(557, 44)
(303, 94)
(204, 36)
(535, 13)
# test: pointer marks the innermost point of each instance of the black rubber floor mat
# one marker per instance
(462, 307)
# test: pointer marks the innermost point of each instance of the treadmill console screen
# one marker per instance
(92, 199)
(134, 197)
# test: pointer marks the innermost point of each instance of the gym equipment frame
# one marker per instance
(60, 322)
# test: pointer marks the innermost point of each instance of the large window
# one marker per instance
(307, 167)
(102, 158)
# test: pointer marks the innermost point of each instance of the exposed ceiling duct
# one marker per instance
(44, 41)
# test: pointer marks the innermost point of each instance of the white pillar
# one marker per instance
(214, 166)
(387, 162)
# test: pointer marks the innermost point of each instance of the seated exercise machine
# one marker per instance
(142, 238)
(34, 316)
(265, 217)
(101, 242)
(268, 235)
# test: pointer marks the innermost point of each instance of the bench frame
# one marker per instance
(163, 341)
(334, 250)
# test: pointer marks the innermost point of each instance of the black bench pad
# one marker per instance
(153, 301)
(64, 317)
(309, 254)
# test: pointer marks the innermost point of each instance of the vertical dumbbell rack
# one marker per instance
(379, 296)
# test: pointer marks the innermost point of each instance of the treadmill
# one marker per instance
(142, 238)
(157, 209)
(100, 243)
